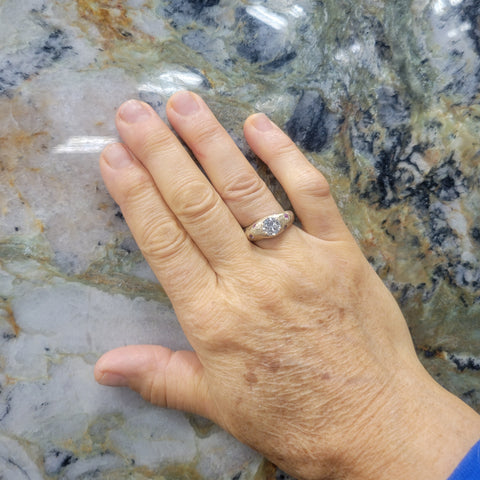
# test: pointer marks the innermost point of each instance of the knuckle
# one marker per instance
(158, 235)
(314, 184)
(136, 190)
(244, 187)
(269, 297)
(350, 269)
(284, 147)
(169, 393)
(208, 133)
(194, 201)
(150, 392)
(270, 290)
(161, 239)
(156, 142)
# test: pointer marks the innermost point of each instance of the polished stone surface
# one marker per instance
(383, 96)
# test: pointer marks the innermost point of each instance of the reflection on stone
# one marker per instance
(87, 144)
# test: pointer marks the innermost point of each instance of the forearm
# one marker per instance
(415, 430)
(422, 432)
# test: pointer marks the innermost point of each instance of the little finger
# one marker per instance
(306, 187)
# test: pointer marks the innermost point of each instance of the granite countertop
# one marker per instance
(382, 96)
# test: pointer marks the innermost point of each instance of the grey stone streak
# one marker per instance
(19, 66)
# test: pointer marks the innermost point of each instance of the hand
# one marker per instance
(300, 350)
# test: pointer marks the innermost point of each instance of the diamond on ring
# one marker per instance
(269, 227)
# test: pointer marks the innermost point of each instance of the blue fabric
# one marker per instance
(469, 468)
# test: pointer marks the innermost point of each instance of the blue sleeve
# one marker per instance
(469, 468)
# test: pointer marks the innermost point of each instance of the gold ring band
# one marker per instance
(269, 227)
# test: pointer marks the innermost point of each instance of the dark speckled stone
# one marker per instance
(469, 11)
(307, 125)
(18, 67)
(261, 43)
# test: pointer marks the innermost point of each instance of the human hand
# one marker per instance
(300, 350)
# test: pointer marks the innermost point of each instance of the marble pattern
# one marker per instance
(383, 97)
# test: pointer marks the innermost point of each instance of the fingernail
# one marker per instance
(184, 103)
(134, 111)
(116, 156)
(262, 122)
(113, 380)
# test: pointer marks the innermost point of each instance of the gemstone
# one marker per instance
(271, 226)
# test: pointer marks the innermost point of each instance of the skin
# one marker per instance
(299, 349)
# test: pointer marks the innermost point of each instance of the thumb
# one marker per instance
(172, 379)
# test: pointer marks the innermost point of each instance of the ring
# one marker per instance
(269, 227)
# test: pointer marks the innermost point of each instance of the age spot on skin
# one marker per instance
(270, 362)
(251, 378)
(273, 365)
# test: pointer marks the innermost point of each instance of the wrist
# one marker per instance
(420, 431)
(410, 428)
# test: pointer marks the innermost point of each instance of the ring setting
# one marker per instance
(270, 226)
